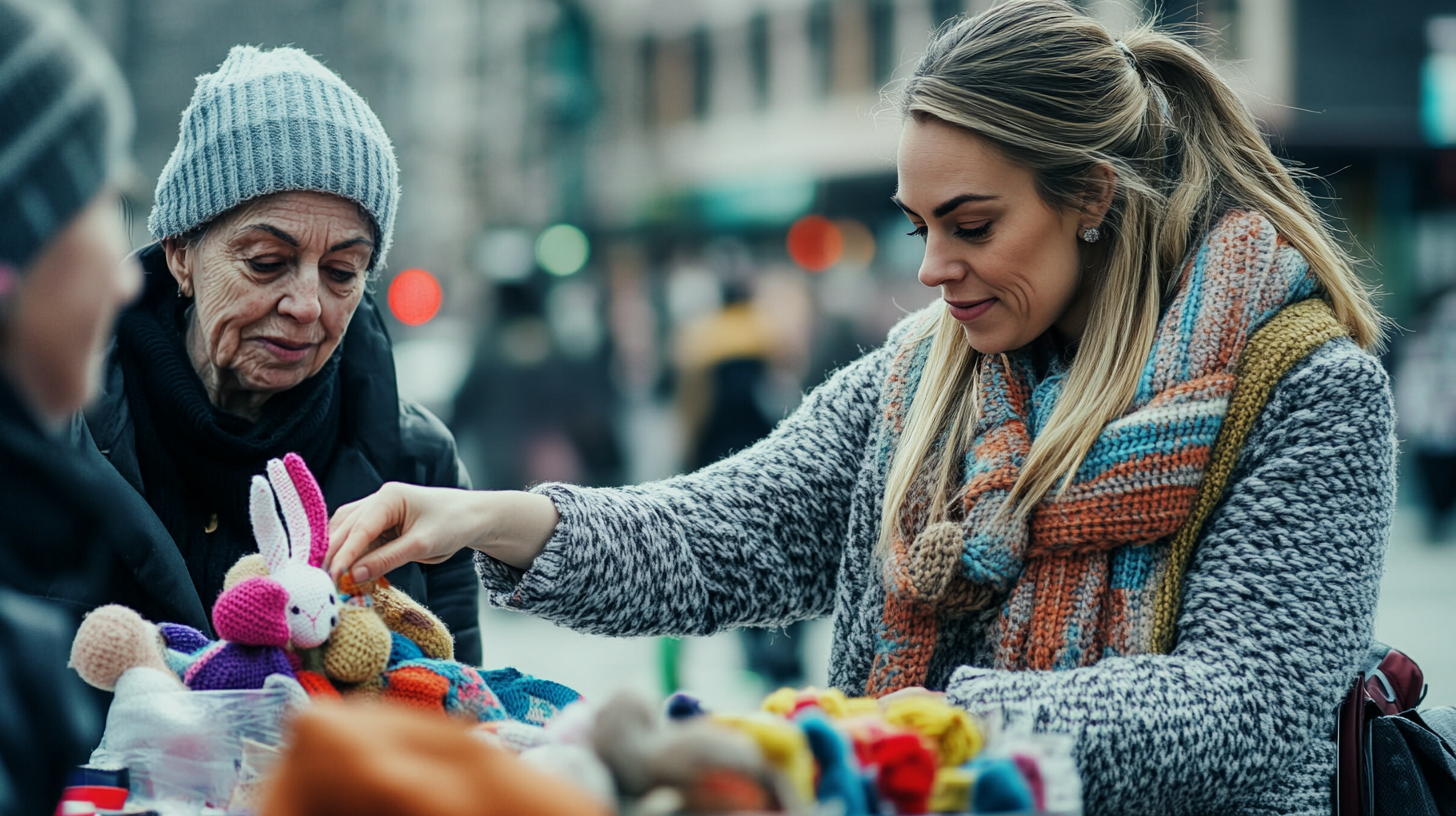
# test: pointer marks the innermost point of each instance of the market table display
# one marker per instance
(212, 722)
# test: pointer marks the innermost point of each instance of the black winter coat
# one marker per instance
(382, 438)
(58, 522)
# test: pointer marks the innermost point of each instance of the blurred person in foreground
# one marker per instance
(254, 336)
(1425, 395)
(1004, 502)
(65, 122)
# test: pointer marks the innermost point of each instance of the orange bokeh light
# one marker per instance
(415, 296)
(815, 243)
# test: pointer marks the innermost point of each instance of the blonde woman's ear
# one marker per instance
(1101, 186)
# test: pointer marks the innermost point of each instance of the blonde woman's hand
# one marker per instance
(402, 523)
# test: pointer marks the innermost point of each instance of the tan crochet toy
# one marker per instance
(358, 650)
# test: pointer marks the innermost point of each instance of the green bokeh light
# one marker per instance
(562, 249)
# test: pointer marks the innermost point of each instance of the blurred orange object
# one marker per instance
(367, 759)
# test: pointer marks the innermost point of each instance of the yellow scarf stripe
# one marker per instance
(1274, 349)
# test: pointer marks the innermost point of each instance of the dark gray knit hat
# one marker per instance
(269, 121)
(65, 123)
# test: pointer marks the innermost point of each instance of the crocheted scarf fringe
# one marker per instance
(1079, 578)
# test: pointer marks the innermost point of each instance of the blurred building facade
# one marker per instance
(685, 137)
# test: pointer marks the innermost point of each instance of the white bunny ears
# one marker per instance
(294, 549)
(306, 539)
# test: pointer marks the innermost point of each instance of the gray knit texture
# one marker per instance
(65, 123)
(269, 121)
(1278, 606)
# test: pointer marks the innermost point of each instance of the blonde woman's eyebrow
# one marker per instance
(948, 205)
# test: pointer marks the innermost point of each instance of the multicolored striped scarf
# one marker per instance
(1077, 579)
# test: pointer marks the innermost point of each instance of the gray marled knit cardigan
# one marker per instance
(1278, 604)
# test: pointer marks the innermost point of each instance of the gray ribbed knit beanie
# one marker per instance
(269, 121)
(65, 123)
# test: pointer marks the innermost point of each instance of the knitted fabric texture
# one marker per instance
(269, 121)
(289, 547)
(111, 640)
(65, 122)
(1282, 583)
(526, 698)
(1082, 572)
(233, 666)
(253, 613)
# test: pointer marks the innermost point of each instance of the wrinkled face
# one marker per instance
(275, 284)
(1007, 263)
(63, 307)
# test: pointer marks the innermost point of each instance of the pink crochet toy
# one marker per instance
(294, 604)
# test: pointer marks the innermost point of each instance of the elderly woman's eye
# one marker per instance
(265, 266)
(343, 275)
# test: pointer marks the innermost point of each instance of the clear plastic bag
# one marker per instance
(203, 747)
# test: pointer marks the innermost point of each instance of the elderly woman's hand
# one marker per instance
(403, 523)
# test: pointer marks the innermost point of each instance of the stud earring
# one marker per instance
(1091, 235)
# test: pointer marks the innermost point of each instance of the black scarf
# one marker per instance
(197, 461)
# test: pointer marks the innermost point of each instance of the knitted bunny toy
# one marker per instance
(295, 557)
(295, 603)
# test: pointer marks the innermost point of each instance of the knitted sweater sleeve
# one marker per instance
(1278, 605)
(754, 539)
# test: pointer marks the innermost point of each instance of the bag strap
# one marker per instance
(1288, 337)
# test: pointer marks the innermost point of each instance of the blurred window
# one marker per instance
(702, 48)
(758, 57)
(673, 83)
(821, 46)
(853, 70)
(647, 56)
(883, 58)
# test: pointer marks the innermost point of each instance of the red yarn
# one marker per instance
(253, 612)
(907, 771)
(417, 687)
(317, 685)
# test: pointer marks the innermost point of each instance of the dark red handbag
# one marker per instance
(1389, 759)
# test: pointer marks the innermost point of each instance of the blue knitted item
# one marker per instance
(683, 706)
(839, 775)
(402, 649)
(529, 699)
(469, 693)
(999, 788)
(269, 121)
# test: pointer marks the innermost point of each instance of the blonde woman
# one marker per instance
(1132, 478)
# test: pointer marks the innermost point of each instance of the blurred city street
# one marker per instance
(1417, 614)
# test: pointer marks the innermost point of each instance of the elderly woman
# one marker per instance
(254, 335)
(1130, 480)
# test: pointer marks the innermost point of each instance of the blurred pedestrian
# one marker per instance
(1425, 394)
(1130, 481)
(723, 361)
(272, 216)
(65, 122)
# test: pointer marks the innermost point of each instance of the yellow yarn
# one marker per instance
(952, 791)
(956, 735)
(783, 745)
(1274, 349)
(832, 701)
(781, 702)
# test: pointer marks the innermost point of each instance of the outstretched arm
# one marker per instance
(754, 539)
